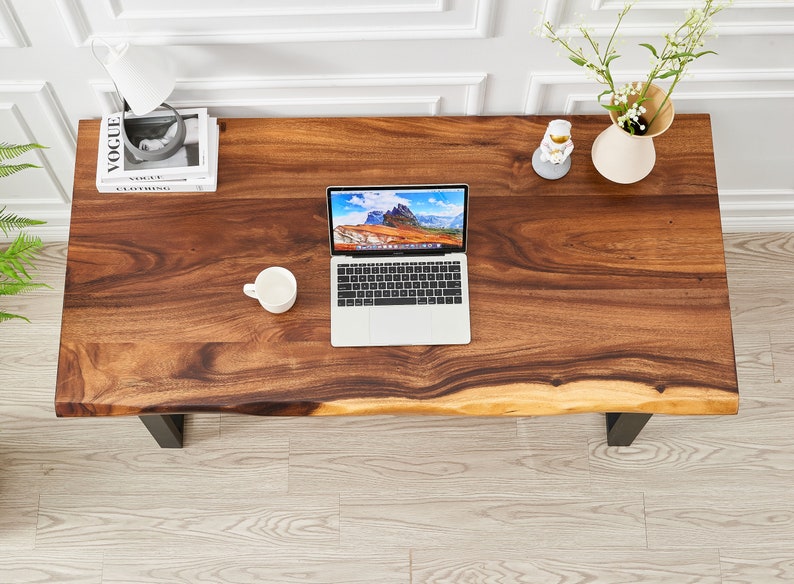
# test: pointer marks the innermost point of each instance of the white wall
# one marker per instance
(391, 57)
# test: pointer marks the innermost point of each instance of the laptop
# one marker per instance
(398, 265)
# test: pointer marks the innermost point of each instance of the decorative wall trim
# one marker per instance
(451, 94)
(41, 155)
(57, 218)
(684, 4)
(752, 84)
(537, 92)
(745, 17)
(35, 113)
(130, 9)
(36, 109)
(75, 21)
(12, 35)
(761, 210)
(197, 23)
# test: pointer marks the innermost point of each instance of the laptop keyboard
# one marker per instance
(399, 283)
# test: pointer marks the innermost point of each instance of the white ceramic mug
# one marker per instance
(275, 288)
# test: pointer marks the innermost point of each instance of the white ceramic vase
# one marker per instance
(625, 158)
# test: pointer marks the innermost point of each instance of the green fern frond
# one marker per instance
(4, 316)
(10, 221)
(14, 279)
(9, 151)
(22, 251)
(23, 246)
(12, 288)
(9, 169)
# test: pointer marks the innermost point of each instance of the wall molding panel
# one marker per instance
(149, 9)
(303, 96)
(12, 34)
(202, 22)
(657, 17)
(29, 112)
(563, 93)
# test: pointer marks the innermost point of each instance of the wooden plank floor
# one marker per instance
(406, 499)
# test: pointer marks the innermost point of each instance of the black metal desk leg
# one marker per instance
(622, 429)
(168, 429)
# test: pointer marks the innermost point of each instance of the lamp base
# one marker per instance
(167, 145)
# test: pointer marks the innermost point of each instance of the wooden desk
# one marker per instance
(586, 296)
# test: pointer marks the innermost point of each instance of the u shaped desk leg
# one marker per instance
(622, 429)
(167, 429)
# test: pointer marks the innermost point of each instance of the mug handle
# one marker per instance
(249, 290)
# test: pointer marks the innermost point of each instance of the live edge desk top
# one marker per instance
(586, 296)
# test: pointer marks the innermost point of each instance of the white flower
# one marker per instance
(668, 63)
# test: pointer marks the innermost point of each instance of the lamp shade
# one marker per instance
(143, 78)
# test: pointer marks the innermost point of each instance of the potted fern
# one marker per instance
(17, 259)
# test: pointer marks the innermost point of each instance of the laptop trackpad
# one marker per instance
(398, 325)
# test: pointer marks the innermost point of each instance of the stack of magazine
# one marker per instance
(192, 168)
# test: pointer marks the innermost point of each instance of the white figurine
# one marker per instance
(557, 145)
(551, 160)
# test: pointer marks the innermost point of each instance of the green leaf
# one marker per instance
(608, 77)
(9, 151)
(16, 269)
(577, 60)
(14, 279)
(8, 271)
(610, 59)
(23, 250)
(10, 221)
(12, 288)
(668, 74)
(698, 55)
(9, 169)
(24, 246)
(612, 108)
(4, 316)
(650, 48)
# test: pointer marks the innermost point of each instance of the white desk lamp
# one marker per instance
(143, 80)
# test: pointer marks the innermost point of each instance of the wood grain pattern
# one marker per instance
(713, 515)
(18, 517)
(668, 464)
(58, 567)
(521, 566)
(69, 471)
(586, 296)
(436, 520)
(257, 565)
(471, 464)
(783, 358)
(198, 521)
(745, 567)
(680, 473)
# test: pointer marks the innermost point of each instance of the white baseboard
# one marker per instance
(759, 210)
(56, 216)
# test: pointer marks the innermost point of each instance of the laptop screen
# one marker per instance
(398, 220)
